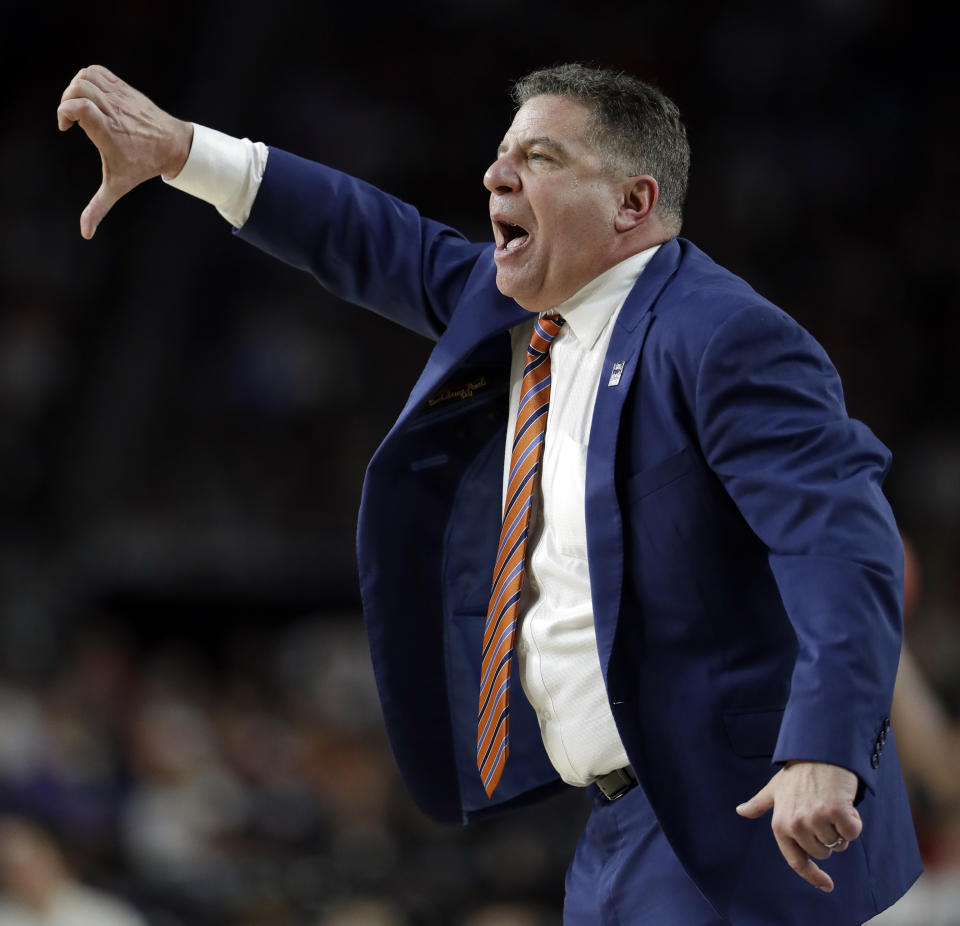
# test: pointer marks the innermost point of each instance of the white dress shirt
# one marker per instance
(557, 652)
(557, 649)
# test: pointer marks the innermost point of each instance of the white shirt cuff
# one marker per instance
(223, 171)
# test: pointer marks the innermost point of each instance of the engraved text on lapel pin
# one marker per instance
(615, 373)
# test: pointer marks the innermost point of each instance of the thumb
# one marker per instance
(91, 217)
(759, 804)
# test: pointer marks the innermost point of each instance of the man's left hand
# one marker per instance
(812, 805)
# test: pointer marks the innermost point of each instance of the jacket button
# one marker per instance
(883, 737)
(886, 723)
(875, 760)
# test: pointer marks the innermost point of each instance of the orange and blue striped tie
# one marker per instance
(493, 732)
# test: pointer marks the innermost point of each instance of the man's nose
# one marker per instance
(501, 177)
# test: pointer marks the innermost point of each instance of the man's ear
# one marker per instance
(640, 195)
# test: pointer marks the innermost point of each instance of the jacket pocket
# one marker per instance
(660, 474)
(753, 733)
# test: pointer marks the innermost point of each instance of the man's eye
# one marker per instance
(537, 156)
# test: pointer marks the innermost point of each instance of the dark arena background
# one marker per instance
(187, 715)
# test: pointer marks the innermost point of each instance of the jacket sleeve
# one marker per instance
(361, 244)
(807, 478)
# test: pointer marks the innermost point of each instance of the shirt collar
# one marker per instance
(588, 311)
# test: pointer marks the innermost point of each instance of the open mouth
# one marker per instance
(511, 236)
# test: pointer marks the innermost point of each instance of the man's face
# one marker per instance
(551, 205)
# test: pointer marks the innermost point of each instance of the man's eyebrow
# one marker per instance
(527, 143)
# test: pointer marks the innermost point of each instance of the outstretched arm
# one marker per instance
(136, 139)
(364, 246)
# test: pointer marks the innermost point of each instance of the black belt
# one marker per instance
(615, 784)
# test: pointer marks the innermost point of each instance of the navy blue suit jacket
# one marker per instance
(745, 566)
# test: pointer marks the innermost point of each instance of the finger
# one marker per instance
(95, 74)
(72, 111)
(84, 89)
(842, 822)
(64, 119)
(758, 805)
(82, 110)
(76, 77)
(803, 833)
(811, 845)
(803, 865)
(91, 217)
(103, 77)
(826, 834)
(63, 123)
(848, 824)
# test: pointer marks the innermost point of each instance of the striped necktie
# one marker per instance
(493, 736)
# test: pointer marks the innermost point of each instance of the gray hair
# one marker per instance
(636, 128)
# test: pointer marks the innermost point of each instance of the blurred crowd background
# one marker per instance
(187, 717)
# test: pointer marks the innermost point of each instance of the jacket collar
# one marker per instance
(484, 313)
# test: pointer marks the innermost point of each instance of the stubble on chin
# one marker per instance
(505, 284)
(511, 293)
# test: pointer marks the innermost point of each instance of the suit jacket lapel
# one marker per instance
(603, 515)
